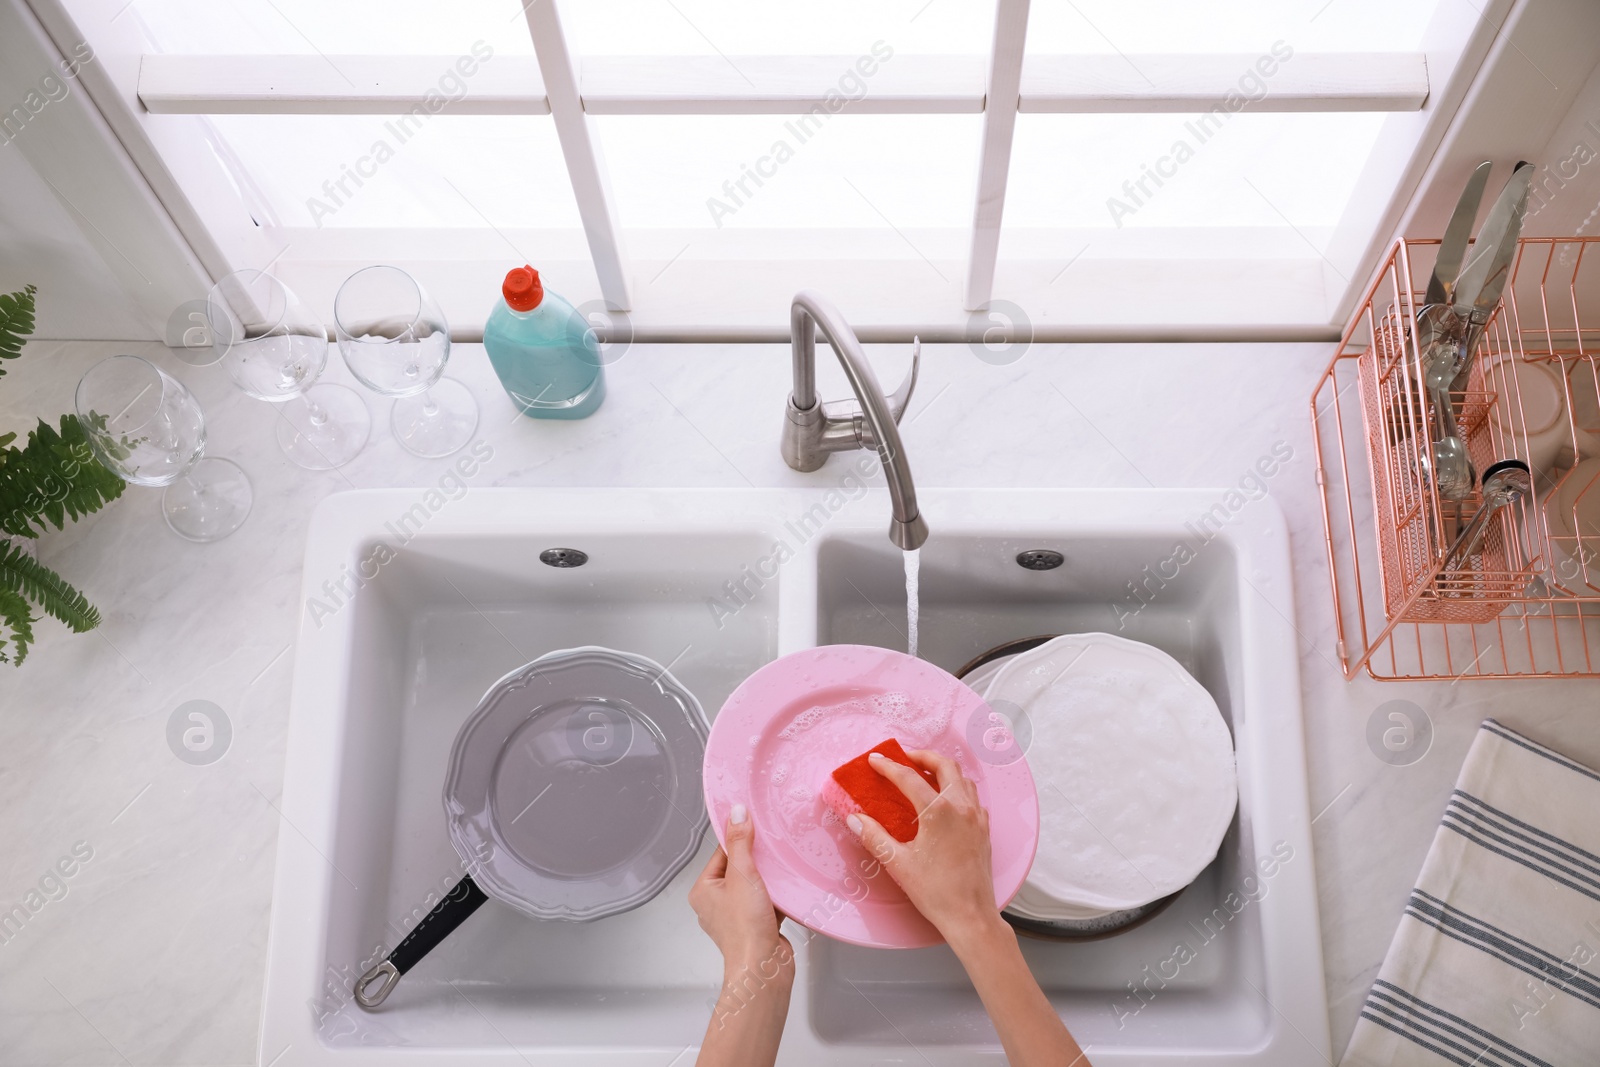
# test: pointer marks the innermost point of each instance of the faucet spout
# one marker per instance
(813, 430)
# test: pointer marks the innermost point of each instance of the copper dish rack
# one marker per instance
(1527, 602)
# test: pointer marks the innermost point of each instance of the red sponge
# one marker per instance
(855, 786)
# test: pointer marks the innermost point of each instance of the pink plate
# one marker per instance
(781, 734)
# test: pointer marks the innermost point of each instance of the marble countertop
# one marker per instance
(152, 950)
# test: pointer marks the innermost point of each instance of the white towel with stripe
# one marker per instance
(1497, 959)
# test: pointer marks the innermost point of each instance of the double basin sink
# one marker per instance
(414, 607)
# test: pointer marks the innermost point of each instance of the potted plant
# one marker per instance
(51, 479)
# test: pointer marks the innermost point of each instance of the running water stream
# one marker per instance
(913, 558)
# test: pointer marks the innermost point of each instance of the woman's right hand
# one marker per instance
(945, 870)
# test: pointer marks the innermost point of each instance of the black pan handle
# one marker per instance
(374, 987)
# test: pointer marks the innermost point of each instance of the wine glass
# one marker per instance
(275, 349)
(395, 340)
(148, 429)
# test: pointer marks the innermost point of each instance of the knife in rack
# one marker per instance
(1484, 278)
(1432, 317)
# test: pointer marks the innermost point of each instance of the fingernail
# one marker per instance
(737, 815)
(876, 757)
(854, 822)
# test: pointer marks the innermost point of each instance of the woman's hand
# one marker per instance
(758, 961)
(945, 869)
(945, 872)
(734, 908)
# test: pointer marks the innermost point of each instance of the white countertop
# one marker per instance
(152, 950)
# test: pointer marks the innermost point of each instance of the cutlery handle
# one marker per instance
(1468, 349)
(464, 898)
(1504, 483)
(1467, 540)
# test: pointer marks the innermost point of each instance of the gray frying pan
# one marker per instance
(573, 794)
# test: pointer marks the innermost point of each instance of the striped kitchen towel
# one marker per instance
(1497, 959)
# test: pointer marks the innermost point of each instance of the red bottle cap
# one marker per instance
(522, 289)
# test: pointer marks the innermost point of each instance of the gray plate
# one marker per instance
(574, 789)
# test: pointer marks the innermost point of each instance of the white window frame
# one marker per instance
(148, 99)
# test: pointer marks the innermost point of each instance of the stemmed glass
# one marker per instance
(395, 340)
(275, 349)
(148, 429)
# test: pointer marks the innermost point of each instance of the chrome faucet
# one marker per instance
(812, 429)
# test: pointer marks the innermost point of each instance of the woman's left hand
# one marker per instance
(734, 908)
(757, 961)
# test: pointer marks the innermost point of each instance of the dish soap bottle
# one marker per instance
(543, 350)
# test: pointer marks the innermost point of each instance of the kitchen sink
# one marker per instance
(415, 607)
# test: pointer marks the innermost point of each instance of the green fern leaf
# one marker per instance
(54, 478)
(14, 616)
(16, 322)
(21, 573)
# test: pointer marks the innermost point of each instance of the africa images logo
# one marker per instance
(1251, 87)
(52, 886)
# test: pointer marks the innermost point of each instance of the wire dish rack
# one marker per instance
(1526, 602)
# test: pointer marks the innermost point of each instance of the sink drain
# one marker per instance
(563, 557)
(1040, 559)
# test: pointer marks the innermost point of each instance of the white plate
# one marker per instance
(1530, 410)
(1029, 903)
(978, 678)
(1134, 765)
(1575, 553)
(1032, 903)
(1584, 378)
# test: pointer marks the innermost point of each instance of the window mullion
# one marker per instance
(1001, 98)
(580, 146)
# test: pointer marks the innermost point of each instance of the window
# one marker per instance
(1093, 163)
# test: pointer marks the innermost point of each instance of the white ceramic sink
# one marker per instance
(693, 579)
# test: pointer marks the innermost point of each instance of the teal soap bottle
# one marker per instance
(543, 350)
